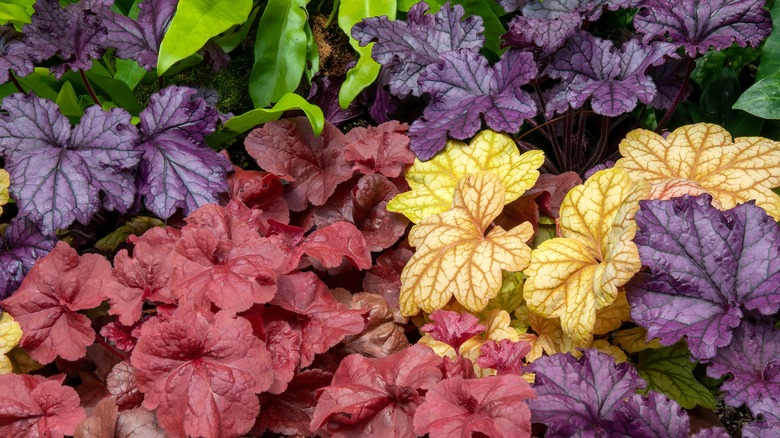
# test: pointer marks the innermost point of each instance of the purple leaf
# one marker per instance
(547, 34)
(407, 48)
(753, 360)
(698, 25)
(668, 78)
(612, 78)
(768, 410)
(75, 34)
(58, 172)
(512, 5)
(464, 90)
(21, 244)
(178, 169)
(324, 93)
(706, 266)
(590, 9)
(652, 416)
(14, 54)
(140, 39)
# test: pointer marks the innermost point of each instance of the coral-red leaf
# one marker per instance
(33, 406)
(201, 372)
(453, 328)
(384, 278)
(383, 149)
(290, 412)
(341, 239)
(505, 356)
(48, 300)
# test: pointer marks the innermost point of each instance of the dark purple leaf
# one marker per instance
(668, 78)
(753, 360)
(652, 416)
(706, 267)
(464, 90)
(590, 9)
(140, 39)
(74, 34)
(698, 25)
(547, 34)
(21, 244)
(406, 48)
(614, 79)
(178, 169)
(14, 54)
(512, 5)
(58, 172)
(324, 93)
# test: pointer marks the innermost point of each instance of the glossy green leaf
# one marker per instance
(17, 12)
(493, 26)
(770, 54)
(41, 83)
(290, 101)
(68, 101)
(129, 72)
(405, 5)
(231, 40)
(137, 225)
(194, 23)
(763, 98)
(366, 71)
(669, 370)
(280, 51)
(312, 54)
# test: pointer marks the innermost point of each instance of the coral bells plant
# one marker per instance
(504, 218)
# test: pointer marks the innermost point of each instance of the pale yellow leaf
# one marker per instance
(634, 340)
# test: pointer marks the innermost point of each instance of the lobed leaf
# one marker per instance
(669, 371)
(10, 335)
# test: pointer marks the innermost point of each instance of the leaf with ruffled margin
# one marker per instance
(753, 361)
(35, 406)
(701, 25)
(15, 56)
(76, 34)
(452, 328)
(464, 90)
(406, 48)
(433, 182)
(290, 412)
(140, 39)
(58, 172)
(613, 79)
(178, 169)
(707, 267)
(47, 303)
(454, 257)
(10, 335)
(669, 370)
(21, 244)
(574, 276)
(382, 149)
(769, 410)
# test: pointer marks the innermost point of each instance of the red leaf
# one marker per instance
(122, 385)
(315, 165)
(322, 320)
(505, 356)
(384, 333)
(377, 397)
(120, 335)
(284, 344)
(384, 278)
(33, 406)
(256, 189)
(492, 406)
(459, 366)
(341, 239)
(452, 328)
(108, 421)
(383, 149)
(48, 300)
(201, 372)
(290, 412)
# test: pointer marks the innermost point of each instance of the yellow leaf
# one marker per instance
(550, 338)
(441, 348)
(613, 316)
(733, 172)
(10, 334)
(433, 182)
(605, 347)
(498, 328)
(454, 257)
(5, 182)
(574, 276)
(634, 340)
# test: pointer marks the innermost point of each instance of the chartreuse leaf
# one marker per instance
(732, 171)
(17, 12)
(634, 340)
(573, 276)
(433, 182)
(669, 370)
(5, 182)
(69, 102)
(137, 225)
(280, 51)
(194, 23)
(10, 335)
(365, 72)
(239, 124)
(454, 257)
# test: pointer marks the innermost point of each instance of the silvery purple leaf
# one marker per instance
(57, 172)
(654, 415)
(512, 5)
(14, 54)
(767, 412)
(140, 39)
(699, 25)
(464, 89)
(406, 48)
(706, 268)
(21, 244)
(178, 169)
(547, 34)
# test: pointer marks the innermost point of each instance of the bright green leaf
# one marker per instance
(280, 51)
(16, 12)
(232, 40)
(770, 54)
(762, 99)
(137, 225)
(669, 370)
(290, 101)
(42, 83)
(405, 5)
(312, 54)
(68, 101)
(129, 72)
(366, 71)
(194, 23)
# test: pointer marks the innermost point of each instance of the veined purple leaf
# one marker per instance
(406, 48)
(75, 34)
(654, 415)
(753, 360)
(140, 39)
(668, 78)
(769, 411)
(178, 169)
(706, 267)
(58, 172)
(14, 54)
(698, 25)
(464, 89)
(613, 79)
(21, 244)
(512, 5)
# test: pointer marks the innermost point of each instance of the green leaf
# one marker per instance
(194, 23)
(137, 225)
(42, 83)
(669, 370)
(763, 98)
(68, 101)
(366, 71)
(129, 72)
(280, 51)
(312, 54)
(17, 12)
(231, 40)
(240, 124)
(770, 54)
(405, 5)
